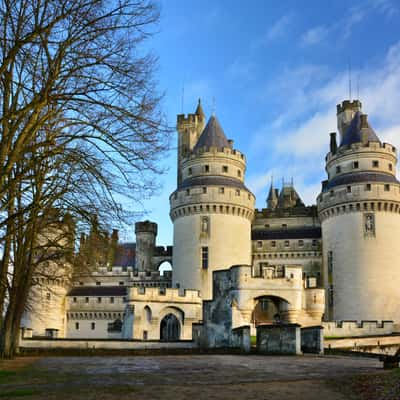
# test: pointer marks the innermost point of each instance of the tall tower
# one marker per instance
(146, 233)
(189, 129)
(211, 210)
(359, 208)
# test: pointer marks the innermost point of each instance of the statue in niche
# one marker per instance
(369, 224)
(205, 225)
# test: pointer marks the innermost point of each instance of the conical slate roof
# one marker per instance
(357, 128)
(212, 136)
(199, 110)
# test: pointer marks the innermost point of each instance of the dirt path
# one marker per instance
(203, 377)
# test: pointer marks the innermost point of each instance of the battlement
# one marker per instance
(348, 105)
(164, 294)
(115, 271)
(146, 226)
(357, 328)
(183, 119)
(216, 151)
(355, 148)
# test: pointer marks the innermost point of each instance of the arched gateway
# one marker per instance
(170, 328)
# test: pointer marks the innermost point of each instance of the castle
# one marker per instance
(234, 265)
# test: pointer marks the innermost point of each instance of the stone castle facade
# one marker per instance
(232, 264)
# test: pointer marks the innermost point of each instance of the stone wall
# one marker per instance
(357, 328)
(312, 339)
(279, 339)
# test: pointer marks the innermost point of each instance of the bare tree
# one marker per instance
(81, 126)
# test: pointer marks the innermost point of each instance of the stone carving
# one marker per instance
(369, 224)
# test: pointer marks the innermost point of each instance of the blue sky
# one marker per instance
(276, 71)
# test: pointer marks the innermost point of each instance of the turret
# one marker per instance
(359, 209)
(146, 233)
(345, 113)
(211, 210)
(189, 129)
(272, 199)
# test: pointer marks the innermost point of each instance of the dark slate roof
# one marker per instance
(212, 136)
(98, 291)
(359, 177)
(212, 181)
(355, 131)
(313, 232)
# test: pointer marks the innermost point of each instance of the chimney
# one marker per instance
(333, 143)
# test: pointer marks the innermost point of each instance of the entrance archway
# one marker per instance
(165, 266)
(170, 328)
(268, 310)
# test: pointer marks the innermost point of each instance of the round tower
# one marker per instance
(146, 233)
(45, 314)
(211, 211)
(359, 208)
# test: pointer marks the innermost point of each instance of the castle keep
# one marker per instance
(234, 265)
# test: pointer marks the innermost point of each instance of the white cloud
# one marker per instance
(276, 31)
(300, 135)
(353, 17)
(314, 35)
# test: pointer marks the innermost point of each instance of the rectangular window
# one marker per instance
(348, 189)
(239, 173)
(355, 164)
(204, 189)
(237, 192)
(387, 188)
(330, 296)
(111, 300)
(338, 169)
(87, 299)
(375, 163)
(190, 171)
(273, 243)
(204, 257)
(98, 283)
(99, 299)
(75, 299)
(259, 244)
(225, 168)
(301, 243)
(187, 192)
(206, 168)
(314, 242)
(222, 190)
(368, 187)
(287, 243)
(331, 193)
(121, 283)
(77, 326)
(390, 167)
(284, 225)
(81, 283)
(330, 262)
(93, 326)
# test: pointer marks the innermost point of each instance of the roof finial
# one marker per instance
(183, 95)
(213, 106)
(349, 71)
(291, 181)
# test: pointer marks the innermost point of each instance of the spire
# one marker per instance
(199, 110)
(272, 199)
(212, 136)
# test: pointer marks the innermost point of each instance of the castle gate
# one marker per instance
(170, 328)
